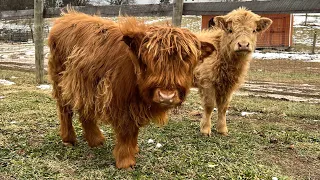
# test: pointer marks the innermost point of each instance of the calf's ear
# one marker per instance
(263, 24)
(206, 50)
(220, 22)
(134, 41)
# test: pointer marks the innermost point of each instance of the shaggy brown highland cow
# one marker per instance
(221, 74)
(125, 75)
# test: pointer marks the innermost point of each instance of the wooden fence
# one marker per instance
(206, 8)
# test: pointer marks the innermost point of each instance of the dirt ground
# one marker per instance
(285, 79)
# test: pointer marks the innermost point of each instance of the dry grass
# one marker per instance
(258, 146)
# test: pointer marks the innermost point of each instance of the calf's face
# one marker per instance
(165, 60)
(241, 28)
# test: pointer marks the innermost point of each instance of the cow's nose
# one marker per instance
(166, 96)
(243, 45)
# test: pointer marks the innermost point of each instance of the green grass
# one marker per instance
(256, 148)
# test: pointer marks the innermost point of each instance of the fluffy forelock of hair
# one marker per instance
(163, 43)
(242, 15)
(166, 40)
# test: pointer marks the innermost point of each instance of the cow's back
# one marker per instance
(86, 51)
(75, 32)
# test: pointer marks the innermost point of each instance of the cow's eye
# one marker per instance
(184, 55)
(230, 30)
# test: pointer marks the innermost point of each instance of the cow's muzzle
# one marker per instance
(166, 98)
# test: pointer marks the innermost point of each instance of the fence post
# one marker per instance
(38, 39)
(177, 12)
(305, 21)
(314, 42)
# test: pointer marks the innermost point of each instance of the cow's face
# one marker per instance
(165, 59)
(241, 28)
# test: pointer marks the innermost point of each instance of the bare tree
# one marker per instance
(15, 4)
(76, 2)
(120, 2)
(164, 1)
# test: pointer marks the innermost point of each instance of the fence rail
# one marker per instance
(205, 8)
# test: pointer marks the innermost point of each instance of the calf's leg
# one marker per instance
(208, 105)
(67, 133)
(222, 101)
(92, 133)
(126, 145)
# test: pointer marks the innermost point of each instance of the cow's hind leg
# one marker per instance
(92, 133)
(126, 145)
(67, 133)
(208, 104)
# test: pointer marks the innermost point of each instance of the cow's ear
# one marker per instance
(134, 41)
(206, 50)
(220, 22)
(263, 24)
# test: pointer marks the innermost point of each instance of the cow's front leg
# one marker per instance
(222, 105)
(207, 96)
(126, 145)
(205, 124)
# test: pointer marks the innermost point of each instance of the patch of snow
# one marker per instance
(274, 178)
(44, 86)
(313, 18)
(30, 53)
(247, 113)
(4, 56)
(158, 145)
(287, 55)
(6, 82)
(212, 165)
(150, 141)
(157, 20)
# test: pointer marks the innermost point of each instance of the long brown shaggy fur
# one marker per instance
(222, 73)
(124, 74)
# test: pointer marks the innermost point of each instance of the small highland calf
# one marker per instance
(221, 74)
(125, 75)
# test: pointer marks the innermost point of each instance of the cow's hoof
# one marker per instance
(223, 131)
(96, 142)
(69, 144)
(206, 131)
(127, 163)
(69, 139)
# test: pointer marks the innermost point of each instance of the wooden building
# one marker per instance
(280, 11)
(279, 35)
